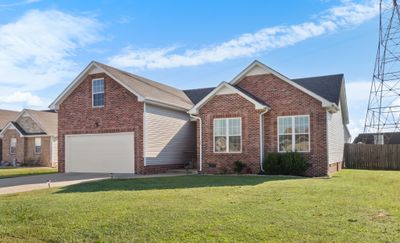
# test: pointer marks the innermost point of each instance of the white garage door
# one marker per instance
(100, 153)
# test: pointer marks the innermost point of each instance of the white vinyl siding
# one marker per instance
(170, 136)
(294, 133)
(336, 136)
(54, 149)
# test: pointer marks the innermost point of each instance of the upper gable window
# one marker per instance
(98, 92)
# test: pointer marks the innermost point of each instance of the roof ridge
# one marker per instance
(320, 76)
(9, 110)
(199, 88)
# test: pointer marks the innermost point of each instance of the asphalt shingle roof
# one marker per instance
(6, 116)
(23, 132)
(195, 95)
(327, 87)
(368, 138)
(149, 88)
(47, 119)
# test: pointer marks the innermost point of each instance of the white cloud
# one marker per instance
(36, 51)
(347, 15)
(14, 3)
(22, 97)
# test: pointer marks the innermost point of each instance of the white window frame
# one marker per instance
(12, 146)
(227, 135)
(93, 93)
(38, 139)
(294, 134)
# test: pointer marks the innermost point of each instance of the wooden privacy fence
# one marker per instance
(372, 156)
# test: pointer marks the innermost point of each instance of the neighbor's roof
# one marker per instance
(328, 86)
(23, 132)
(6, 116)
(368, 138)
(47, 120)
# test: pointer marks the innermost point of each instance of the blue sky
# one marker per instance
(186, 44)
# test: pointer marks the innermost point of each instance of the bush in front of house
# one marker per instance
(238, 166)
(292, 163)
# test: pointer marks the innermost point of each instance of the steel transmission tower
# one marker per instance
(383, 114)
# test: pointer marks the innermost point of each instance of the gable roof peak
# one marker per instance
(258, 104)
(144, 89)
(264, 69)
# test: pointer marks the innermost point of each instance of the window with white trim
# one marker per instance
(294, 133)
(13, 146)
(227, 135)
(98, 92)
(38, 145)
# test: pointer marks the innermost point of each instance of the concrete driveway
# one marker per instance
(35, 182)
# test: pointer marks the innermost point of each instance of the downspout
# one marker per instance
(201, 141)
(262, 139)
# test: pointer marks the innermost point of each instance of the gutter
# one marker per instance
(262, 139)
(201, 141)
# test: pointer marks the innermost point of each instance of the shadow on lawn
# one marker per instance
(178, 182)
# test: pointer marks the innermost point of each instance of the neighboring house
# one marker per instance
(5, 117)
(118, 122)
(378, 138)
(31, 138)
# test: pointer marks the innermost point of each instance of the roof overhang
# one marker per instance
(258, 68)
(231, 89)
(10, 126)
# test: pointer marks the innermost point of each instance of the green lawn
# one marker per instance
(23, 171)
(353, 206)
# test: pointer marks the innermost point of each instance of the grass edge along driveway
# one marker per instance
(24, 171)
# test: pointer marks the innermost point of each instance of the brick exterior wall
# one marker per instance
(44, 157)
(335, 167)
(122, 112)
(225, 106)
(26, 149)
(19, 155)
(285, 99)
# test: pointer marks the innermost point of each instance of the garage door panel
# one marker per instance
(100, 153)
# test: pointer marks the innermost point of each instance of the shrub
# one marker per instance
(238, 166)
(292, 163)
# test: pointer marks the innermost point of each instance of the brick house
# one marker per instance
(5, 117)
(114, 121)
(31, 138)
